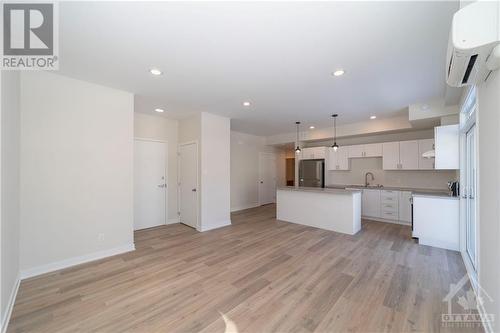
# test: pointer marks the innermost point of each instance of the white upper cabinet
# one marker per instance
(373, 150)
(368, 150)
(401, 155)
(338, 160)
(356, 151)
(408, 155)
(312, 153)
(425, 146)
(446, 147)
(390, 156)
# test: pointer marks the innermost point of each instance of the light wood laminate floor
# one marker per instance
(260, 275)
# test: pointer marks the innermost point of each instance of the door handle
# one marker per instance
(162, 185)
(194, 190)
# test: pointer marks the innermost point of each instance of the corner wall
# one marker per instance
(215, 171)
(9, 183)
(76, 172)
(245, 149)
(488, 125)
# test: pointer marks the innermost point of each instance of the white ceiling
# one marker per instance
(278, 55)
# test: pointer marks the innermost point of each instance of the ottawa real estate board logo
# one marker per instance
(29, 36)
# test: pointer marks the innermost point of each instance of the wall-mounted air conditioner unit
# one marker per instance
(474, 44)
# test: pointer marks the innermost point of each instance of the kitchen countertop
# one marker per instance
(318, 190)
(415, 191)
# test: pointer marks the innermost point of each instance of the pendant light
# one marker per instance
(297, 149)
(335, 145)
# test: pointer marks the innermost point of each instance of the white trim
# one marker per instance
(173, 221)
(379, 219)
(150, 140)
(482, 311)
(259, 189)
(198, 191)
(245, 206)
(55, 266)
(10, 305)
(216, 225)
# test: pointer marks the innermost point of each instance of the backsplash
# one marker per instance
(428, 179)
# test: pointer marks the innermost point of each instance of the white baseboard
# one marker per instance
(482, 312)
(216, 225)
(173, 221)
(31, 272)
(476, 288)
(10, 306)
(385, 220)
(245, 206)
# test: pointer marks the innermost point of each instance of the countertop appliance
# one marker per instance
(312, 173)
(454, 188)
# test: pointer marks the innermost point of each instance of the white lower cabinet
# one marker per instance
(370, 203)
(405, 206)
(391, 205)
(436, 221)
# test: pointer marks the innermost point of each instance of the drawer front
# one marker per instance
(389, 194)
(390, 207)
(389, 200)
(390, 215)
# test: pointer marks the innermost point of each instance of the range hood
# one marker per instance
(429, 154)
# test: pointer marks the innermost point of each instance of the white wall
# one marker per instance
(370, 127)
(488, 125)
(161, 128)
(190, 129)
(245, 149)
(215, 171)
(9, 204)
(76, 171)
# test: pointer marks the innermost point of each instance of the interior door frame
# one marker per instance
(187, 143)
(465, 126)
(259, 176)
(166, 170)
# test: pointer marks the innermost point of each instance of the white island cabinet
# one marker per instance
(436, 221)
(331, 209)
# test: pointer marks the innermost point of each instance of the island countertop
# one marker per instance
(319, 190)
(326, 208)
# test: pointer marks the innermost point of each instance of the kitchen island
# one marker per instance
(331, 209)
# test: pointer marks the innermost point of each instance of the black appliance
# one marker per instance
(454, 188)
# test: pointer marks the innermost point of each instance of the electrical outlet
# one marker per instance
(100, 237)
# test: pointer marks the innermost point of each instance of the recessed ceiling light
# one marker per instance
(312, 127)
(155, 71)
(373, 117)
(246, 103)
(338, 72)
(159, 110)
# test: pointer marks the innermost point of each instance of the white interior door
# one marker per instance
(188, 187)
(470, 195)
(150, 184)
(267, 178)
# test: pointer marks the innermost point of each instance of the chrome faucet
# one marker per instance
(366, 178)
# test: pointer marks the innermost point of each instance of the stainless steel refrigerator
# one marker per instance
(312, 173)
